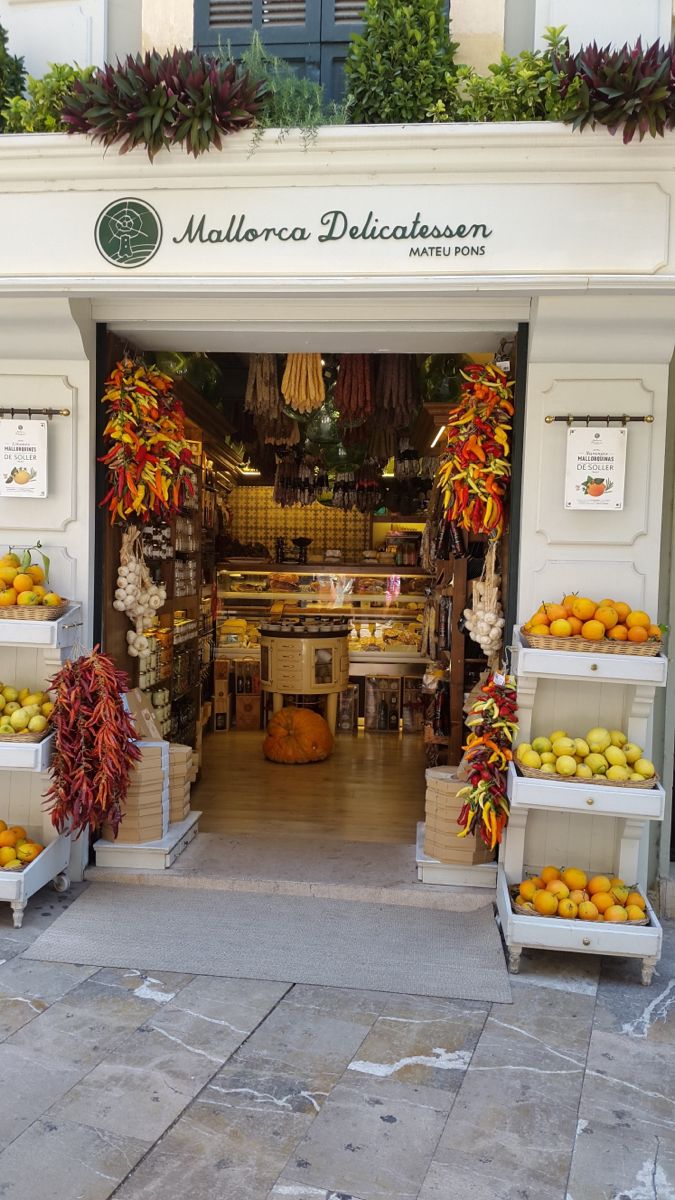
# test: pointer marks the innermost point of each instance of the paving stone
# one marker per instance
(625, 1006)
(563, 972)
(626, 1074)
(630, 1160)
(431, 1045)
(230, 1149)
(28, 1089)
(301, 1037)
(57, 1160)
(142, 1085)
(447, 1181)
(27, 988)
(373, 1139)
(300, 1191)
(500, 1122)
(216, 1015)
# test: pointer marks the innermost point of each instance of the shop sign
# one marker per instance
(595, 470)
(23, 458)
(439, 229)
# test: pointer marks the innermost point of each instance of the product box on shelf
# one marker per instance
(222, 713)
(247, 712)
(442, 808)
(383, 703)
(142, 714)
(413, 705)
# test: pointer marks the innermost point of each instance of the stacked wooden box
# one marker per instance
(181, 774)
(442, 808)
(146, 809)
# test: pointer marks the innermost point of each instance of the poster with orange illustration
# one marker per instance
(595, 468)
(23, 460)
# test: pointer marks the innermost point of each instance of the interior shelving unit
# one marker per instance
(34, 651)
(595, 827)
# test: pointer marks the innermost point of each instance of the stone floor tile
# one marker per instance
(305, 1040)
(625, 1074)
(625, 1006)
(218, 1014)
(632, 1160)
(500, 1118)
(563, 972)
(56, 1160)
(29, 1087)
(160, 986)
(301, 1191)
(11, 946)
(142, 1085)
(241, 1084)
(226, 1151)
(27, 988)
(453, 1181)
(433, 1048)
(338, 1001)
(373, 1139)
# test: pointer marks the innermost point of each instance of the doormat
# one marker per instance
(293, 939)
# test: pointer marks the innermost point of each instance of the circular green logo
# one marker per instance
(128, 233)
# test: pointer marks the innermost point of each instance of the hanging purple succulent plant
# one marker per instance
(164, 100)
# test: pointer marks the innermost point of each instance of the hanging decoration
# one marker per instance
(484, 618)
(94, 748)
(303, 385)
(354, 389)
(150, 463)
(475, 469)
(493, 725)
(136, 593)
(298, 481)
(262, 399)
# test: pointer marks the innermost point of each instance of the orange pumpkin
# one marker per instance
(297, 735)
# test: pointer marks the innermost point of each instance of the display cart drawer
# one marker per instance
(20, 885)
(584, 937)
(60, 634)
(599, 800)
(599, 668)
(26, 756)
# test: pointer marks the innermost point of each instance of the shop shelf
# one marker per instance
(597, 800)
(581, 937)
(26, 756)
(596, 668)
(18, 886)
(59, 634)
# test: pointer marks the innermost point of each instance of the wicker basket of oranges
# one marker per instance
(601, 626)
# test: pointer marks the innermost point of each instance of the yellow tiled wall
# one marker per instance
(256, 518)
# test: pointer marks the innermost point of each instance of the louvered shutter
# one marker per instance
(291, 28)
(339, 19)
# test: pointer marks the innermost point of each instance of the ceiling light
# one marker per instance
(438, 437)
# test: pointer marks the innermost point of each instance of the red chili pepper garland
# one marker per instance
(94, 750)
(149, 462)
(492, 720)
(475, 470)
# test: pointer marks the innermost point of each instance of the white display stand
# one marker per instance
(595, 827)
(149, 856)
(432, 870)
(33, 651)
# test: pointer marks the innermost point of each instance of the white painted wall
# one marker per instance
(604, 21)
(478, 26)
(48, 31)
(167, 23)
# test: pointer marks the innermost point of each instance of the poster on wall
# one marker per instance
(595, 469)
(23, 460)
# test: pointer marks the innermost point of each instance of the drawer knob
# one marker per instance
(585, 941)
(594, 666)
(590, 800)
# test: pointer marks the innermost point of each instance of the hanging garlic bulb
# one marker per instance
(136, 593)
(484, 620)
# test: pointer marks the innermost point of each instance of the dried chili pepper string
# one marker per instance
(149, 462)
(95, 750)
(492, 720)
(475, 470)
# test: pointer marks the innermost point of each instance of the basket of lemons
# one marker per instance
(603, 756)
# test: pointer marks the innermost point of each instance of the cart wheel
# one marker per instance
(648, 965)
(514, 959)
(62, 883)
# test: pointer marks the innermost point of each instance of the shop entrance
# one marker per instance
(313, 569)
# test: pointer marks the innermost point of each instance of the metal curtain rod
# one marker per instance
(624, 419)
(35, 412)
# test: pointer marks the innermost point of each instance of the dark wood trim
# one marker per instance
(517, 446)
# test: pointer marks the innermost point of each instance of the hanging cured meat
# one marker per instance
(397, 390)
(303, 385)
(354, 389)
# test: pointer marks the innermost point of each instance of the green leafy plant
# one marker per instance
(398, 68)
(291, 101)
(12, 74)
(630, 89)
(40, 110)
(524, 88)
(163, 100)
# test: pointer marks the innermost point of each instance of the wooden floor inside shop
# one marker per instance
(371, 789)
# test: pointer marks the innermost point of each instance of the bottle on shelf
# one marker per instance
(383, 713)
(248, 680)
(240, 682)
(393, 712)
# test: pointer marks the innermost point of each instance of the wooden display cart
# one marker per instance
(597, 828)
(33, 650)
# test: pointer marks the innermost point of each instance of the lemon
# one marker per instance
(615, 757)
(548, 768)
(618, 774)
(635, 778)
(547, 757)
(583, 772)
(566, 765)
(557, 733)
(19, 719)
(542, 745)
(632, 752)
(531, 759)
(597, 763)
(563, 745)
(581, 747)
(645, 768)
(522, 749)
(598, 739)
(617, 738)
(38, 724)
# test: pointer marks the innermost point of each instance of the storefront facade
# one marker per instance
(370, 239)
